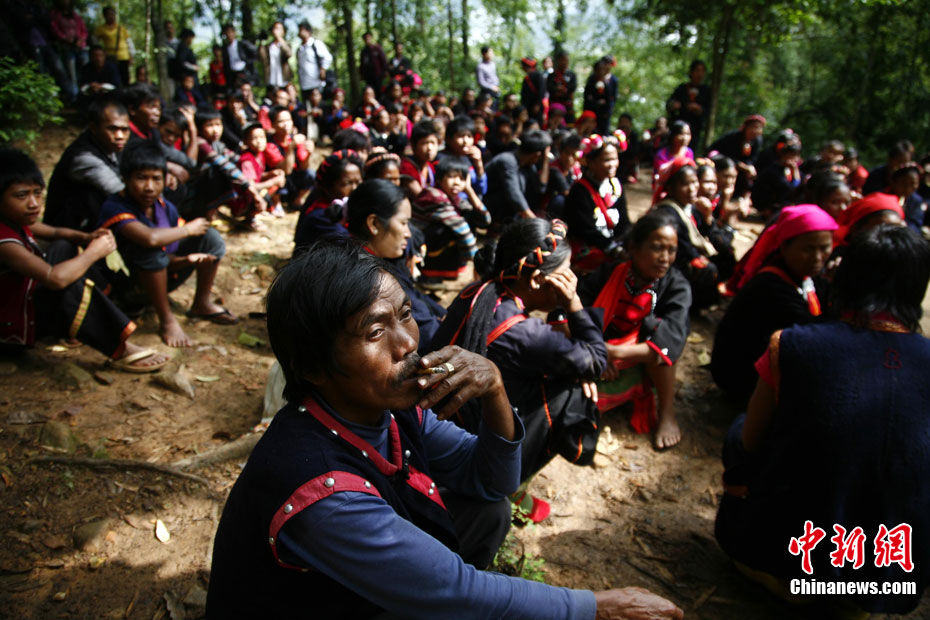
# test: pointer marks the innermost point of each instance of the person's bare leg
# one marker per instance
(206, 274)
(668, 433)
(155, 284)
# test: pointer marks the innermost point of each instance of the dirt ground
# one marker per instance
(81, 542)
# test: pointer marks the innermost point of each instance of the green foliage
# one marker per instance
(28, 101)
(511, 559)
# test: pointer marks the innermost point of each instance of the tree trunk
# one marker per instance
(161, 60)
(367, 15)
(248, 23)
(466, 56)
(351, 60)
(394, 38)
(559, 26)
(451, 46)
(721, 45)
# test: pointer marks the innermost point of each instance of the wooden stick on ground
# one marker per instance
(120, 464)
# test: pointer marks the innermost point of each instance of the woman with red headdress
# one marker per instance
(595, 208)
(779, 292)
(705, 254)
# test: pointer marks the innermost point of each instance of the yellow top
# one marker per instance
(114, 40)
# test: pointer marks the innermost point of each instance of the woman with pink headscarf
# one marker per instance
(778, 291)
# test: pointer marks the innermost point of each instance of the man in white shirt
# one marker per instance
(487, 74)
(276, 57)
(313, 59)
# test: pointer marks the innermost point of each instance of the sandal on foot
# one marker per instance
(126, 363)
(224, 317)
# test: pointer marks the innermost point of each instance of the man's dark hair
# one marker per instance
(142, 156)
(459, 124)
(138, 94)
(305, 25)
(485, 49)
(695, 64)
(423, 130)
(452, 165)
(98, 107)
(351, 140)
(534, 141)
(94, 48)
(187, 32)
(206, 114)
(900, 148)
(367, 33)
(173, 115)
(275, 111)
(870, 279)
(303, 323)
(17, 167)
(227, 26)
(375, 196)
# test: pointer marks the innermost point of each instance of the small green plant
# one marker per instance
(512, 559)
(28, 101)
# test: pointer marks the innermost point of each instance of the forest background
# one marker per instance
(856, 70)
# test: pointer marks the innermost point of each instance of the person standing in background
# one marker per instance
(691, 103)
(486, 73)
(562, 84)
(276, 58)
(313, 59)
(69, 34)
(116, 41)
(238, 57)
(372, 63)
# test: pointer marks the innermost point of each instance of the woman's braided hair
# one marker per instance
(524, 247)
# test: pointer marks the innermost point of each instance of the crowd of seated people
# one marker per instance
(521, 209)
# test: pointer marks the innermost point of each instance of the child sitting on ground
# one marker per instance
(57, 292)
(220, 179)
(450, 242)
(160, 252)
(254, 163)
(424, 140)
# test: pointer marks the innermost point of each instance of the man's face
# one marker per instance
(147, 115)
(283, 124)
(212, 129)
(427, 148)
(399, 50)
(112, 132)
(561, 63)
(170, 132)
(461, 142)
(698, 73)
(98, 58)
(169, 30)
(109, 16)
(376, 353)
(278, 29)
(21, 203)
(145, 186)
(230, 34)
(367, 39)
(188, 82)
(256, 141)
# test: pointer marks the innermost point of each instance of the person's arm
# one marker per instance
(90, 169)
(359, 541)
(43, 231)
(56, 277)
(510, 175)
(761, 410)
(448, 216)
(666, 330)
(138, 233)
(222, 162)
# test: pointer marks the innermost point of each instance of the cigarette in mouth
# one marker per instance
(435, 370)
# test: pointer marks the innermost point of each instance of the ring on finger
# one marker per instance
(449, 367)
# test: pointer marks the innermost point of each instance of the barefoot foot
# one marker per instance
(668, 433)
(157, 360)
(172, 334)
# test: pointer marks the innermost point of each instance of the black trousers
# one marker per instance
(480, 526)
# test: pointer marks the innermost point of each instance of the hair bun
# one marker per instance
(484, 260)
